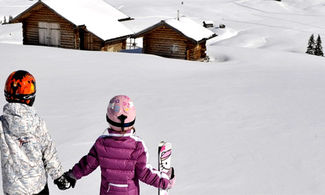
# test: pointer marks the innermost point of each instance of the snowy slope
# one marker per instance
(249, 122)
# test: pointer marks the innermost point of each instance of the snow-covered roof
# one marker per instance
(185, 26)
(86, 7)
(99, 17)
(190, 28)
(208, 22)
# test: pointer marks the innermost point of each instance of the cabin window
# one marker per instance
(49, 34)
(174, 49)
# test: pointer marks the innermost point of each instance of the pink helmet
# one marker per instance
(121, 113)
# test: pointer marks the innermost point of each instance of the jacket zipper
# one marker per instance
(116, 185)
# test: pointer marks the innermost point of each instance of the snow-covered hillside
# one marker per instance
(249, 122)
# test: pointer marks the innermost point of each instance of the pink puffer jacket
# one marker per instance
(123, 162)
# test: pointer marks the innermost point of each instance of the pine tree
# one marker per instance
(311, 45)
(319, 48)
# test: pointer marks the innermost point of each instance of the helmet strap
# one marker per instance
(122, 119)
(27, 99)
(122, 124)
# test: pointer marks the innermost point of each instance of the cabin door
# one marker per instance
(49, 34)
(81, 39)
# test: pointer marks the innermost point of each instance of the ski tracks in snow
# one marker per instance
(271, 15)
(227, 33)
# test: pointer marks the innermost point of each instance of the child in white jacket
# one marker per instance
(28, 153)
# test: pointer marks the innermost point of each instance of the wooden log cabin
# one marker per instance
(180, 38)
(74, 24)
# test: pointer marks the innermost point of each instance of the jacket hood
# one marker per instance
(19, 118)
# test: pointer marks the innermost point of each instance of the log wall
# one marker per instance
(167, 42)
(92, 42)
(71, 36)
(196, 51)
(115, 46)
(31, 31)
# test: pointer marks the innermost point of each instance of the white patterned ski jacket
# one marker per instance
(28, 153)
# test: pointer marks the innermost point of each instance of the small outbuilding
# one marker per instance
(180, 38)
(208, 24)
(74, 24)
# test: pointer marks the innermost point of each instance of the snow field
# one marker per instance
(249, 122)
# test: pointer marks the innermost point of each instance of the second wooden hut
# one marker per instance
(180, 38)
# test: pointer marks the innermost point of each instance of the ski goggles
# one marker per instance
(21, 96)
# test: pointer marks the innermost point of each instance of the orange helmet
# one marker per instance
(20, 87)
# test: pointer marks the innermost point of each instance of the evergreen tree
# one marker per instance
(319, 48)
(311, 45)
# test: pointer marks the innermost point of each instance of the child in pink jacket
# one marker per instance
(122, 156)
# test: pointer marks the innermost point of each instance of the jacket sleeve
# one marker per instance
(0, 123)
(87, 164)
(50, 157)
(146, 173)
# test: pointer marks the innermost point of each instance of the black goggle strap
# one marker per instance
(21, 96)
(122, 124)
